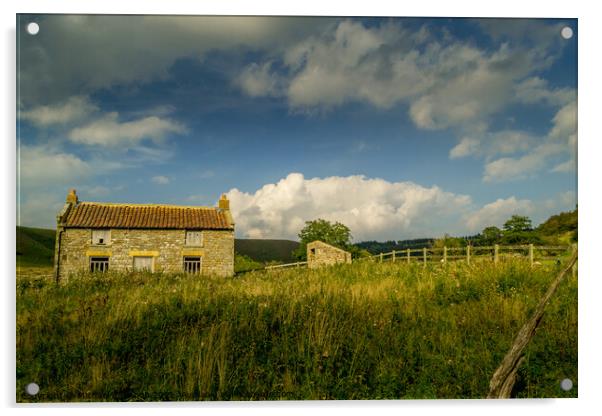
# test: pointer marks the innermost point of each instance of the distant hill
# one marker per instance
(559, 224)
(560, 228)
(266, 250)
(35, 247)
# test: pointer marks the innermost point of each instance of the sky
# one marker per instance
(397, 127)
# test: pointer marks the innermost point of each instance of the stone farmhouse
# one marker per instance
(321, 254)
(98, 237)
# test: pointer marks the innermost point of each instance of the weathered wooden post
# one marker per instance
(408, 255)
(468, 254)
(424, 255)
(444, 254)
(500, 385)
(496, 254)
(393, 257)
(531, 254)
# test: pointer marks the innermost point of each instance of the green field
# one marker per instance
(359, 331)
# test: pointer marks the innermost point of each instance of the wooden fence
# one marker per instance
(425, 255)
(282, 266)
(468, 253)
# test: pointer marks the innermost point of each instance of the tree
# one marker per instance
(518, 223)
(337, 234)
(491, 235)
(449, 241)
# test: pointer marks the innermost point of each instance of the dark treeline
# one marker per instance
(375, 247)
(558, 229)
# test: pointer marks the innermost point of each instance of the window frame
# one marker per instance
(186, 261)
(99, 266)
(152, 265)
(200, 239)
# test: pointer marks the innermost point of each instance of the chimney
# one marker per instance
(72, 197)
(224, 203)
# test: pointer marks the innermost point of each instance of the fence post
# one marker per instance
(531, 254)
(393, 258)
(424, 255)
(468, 254)
(444, 254)
(408, 253)
(496, 253)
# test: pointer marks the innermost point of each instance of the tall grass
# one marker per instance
(360, 331)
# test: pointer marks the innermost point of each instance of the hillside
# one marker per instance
(266, 250)
(35, 247)
(561, 224)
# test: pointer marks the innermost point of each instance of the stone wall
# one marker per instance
(166, 247)
(321, 254)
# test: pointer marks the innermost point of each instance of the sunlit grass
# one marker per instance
(360, 331)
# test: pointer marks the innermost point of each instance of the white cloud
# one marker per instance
(509, 168)
(160, 180)
(467, 146)
(490, 144)
(534, 90)
(73, 109)
(196, 198)
(40, 166)
(112, 50)
(477, 86)
(497, 212)
(371, 208)
(94, 191)
(568, 199)
(564, 167)
(40, 209)
(565, 122)
(445, 81)
(256, 80)
(109, 131)
(561, 139)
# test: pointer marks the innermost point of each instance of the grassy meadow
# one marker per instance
(360, 331)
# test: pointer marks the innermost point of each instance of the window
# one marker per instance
(99, 264)
(192, 265)
(194, 238)
(101, 237)
(143, 263)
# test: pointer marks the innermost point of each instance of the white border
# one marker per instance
(589, 34)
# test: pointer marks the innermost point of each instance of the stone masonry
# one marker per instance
(320, 254)
(166, 247)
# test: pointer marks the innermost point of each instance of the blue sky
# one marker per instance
(399, 128)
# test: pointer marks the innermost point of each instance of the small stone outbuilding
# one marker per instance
(320, 254)
(99, 236)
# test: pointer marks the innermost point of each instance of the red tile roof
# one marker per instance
(102, 215)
